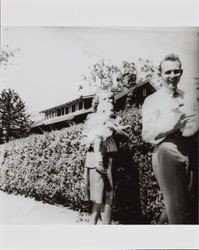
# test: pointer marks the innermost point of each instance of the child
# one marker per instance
(101, 147)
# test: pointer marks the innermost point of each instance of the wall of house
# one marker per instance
(65, 110)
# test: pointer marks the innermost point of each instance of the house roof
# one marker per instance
(121, 93)
(70, 116)
(145, 82)
(125, 91)
(117, 96)
(62, 118)
(67, 103)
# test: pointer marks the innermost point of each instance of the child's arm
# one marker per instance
(114, 125)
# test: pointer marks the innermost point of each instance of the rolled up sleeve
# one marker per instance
(149, 121)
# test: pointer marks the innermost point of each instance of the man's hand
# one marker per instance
(182, 120)
(100, 169)
(180, 123)
(189, 117)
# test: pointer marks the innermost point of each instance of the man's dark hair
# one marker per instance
(170, 57)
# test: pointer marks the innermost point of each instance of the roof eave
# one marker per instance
(67, 103)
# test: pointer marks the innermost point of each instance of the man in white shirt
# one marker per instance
(169, 123)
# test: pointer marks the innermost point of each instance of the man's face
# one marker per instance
(171, 74)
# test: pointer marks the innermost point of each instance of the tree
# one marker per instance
(14, 121)
(146, 70)
(6, 55)
(104, 75)
(101, 75)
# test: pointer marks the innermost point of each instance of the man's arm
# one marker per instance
(170, 130)
(149, 120)
(156, 126)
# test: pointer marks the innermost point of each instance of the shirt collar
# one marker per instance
(177, 92)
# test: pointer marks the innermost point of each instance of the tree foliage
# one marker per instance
(105, 75)
(101, 75)
(14, 121)
(6, 55)
(146, 70)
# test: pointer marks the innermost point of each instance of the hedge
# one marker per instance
(49, 167)
(141, 153)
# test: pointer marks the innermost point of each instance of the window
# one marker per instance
(80, 105)
(66, 110)
(73, 108)
(58, 112)
(62, 111)
(144, 92)
(87, 103)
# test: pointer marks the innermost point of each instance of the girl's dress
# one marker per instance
(99, 186)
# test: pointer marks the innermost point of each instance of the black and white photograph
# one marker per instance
(99, 124)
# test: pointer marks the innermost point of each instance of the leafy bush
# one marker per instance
(141, 153)
(50, 168)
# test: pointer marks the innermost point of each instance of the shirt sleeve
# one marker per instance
(192, 125)
(156, 119)
(150, 114)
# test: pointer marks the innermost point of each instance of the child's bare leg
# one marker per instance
(106, 214)
(95, 213)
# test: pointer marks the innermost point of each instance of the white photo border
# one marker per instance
(100, 13)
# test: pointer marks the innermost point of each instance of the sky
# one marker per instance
(51, 62)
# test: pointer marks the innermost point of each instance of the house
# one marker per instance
(140, 91)
(135, 95)
(64, 115)
(76, 111)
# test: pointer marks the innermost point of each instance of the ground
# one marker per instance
(16, 209)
